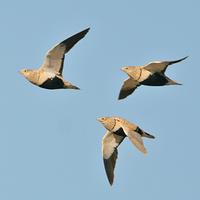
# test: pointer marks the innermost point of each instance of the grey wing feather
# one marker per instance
(109, 165)
(161, 66)
(55, 57)
(110, 143)
(136, 139)
(128, 88)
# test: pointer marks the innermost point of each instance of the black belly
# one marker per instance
(155, 80)
(55, 83)
(120, 132)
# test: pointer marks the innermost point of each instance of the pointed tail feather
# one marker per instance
(68, 85)
(73, 87)
(145, 134)
(172, 82)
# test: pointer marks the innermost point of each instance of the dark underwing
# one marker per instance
(155, 79)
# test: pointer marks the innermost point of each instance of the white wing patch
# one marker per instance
(50, 74)
(45, 75)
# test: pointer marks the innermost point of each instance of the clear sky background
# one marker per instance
(50, 141)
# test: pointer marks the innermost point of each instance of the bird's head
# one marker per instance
(25, 72)
(128, 69)
(107, 122)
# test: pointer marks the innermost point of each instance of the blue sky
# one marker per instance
(50, 141)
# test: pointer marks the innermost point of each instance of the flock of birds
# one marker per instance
(49, 76)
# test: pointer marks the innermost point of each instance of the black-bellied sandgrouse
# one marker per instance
(49, 75)
(117, 130)
(152, 74)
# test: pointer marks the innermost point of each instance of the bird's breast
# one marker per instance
(116, 127)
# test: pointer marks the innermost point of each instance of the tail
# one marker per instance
(68, 85)
(172, 82)
(145, 134)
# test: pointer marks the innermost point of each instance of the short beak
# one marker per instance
(99, 119)
(123, 69)
(20, 71)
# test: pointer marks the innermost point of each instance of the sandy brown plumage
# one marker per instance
(49, 75)
(117, 129)
(152, 74)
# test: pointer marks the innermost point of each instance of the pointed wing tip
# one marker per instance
(120, 97)
(86, 30)
(82, 33)
(128, 87)
(177, 61)
(145, 152)
(111, 183)
(184, 58)
(110, 176)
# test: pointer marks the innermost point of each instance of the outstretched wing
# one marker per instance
(54, 59)
(128, 88)
(161, 66)
(135, 138)
(110, 143)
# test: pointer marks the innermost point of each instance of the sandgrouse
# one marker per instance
(151, 74)
(49, 75)
(117, 130)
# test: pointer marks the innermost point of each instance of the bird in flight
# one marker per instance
(117, 129)
(151, 74)
(49, 74)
